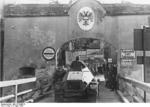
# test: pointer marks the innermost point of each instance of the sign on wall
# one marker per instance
(48, 53)
(97, 53)
(109, 60)
(127, 57)
(127, 54)
(126, 62)
(86, 18)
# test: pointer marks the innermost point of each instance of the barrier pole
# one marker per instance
(144, 60)
(1, 43)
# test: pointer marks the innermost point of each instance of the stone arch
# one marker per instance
(109, 51)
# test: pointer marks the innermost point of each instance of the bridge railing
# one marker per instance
(135, 84)
(15, 84)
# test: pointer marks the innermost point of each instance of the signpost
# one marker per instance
(48, 53)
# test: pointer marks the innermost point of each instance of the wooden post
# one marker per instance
(16, 91)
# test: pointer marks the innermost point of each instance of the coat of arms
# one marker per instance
(85, 18)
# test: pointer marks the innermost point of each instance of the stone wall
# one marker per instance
(25, 39)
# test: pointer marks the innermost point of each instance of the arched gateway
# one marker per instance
(88, 49)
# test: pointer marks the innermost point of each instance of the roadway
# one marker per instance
(105, 96)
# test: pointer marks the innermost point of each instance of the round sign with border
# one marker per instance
(86, 18)
(48, 53)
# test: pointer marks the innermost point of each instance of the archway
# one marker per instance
(92, 50)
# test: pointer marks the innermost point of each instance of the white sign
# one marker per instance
(48, 53)
(127, 54)
(86, 18)
(78, 53)
(110, 60)
(97, 53)
(125, 62)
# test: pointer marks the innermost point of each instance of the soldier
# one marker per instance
(109, 69)
(114, 77)
(113, 74)
(107, 75)
(104, 70)
(100, 69)
(77, 65)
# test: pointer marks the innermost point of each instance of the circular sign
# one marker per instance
(86, 18)
(48, 53)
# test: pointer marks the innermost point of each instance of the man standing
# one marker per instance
(100, 69)
(77, 65)
(109, 75)
(113, 75)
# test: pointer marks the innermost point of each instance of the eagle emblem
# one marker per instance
(85, 18)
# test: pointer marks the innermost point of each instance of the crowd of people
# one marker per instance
(110, 74)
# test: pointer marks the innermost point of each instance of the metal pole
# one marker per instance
(1, 45)
(144, 60)
(144, 73)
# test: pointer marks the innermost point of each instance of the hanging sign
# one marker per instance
(86, 18)
(48, 53)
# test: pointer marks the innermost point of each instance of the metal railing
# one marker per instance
(138, 84)
(15, 83)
